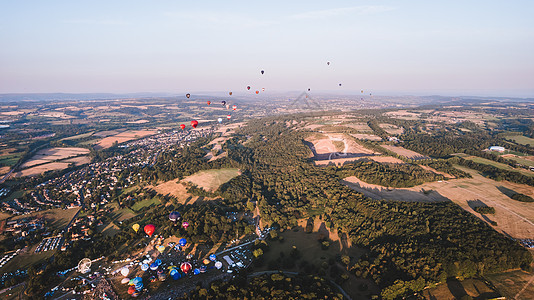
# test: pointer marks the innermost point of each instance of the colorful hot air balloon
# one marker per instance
(131, 289)
(182, 126)
(203, 269)
(149, 229)
(248, 87)
(144, 267)
(185, 224)
(230, 93)
(175, 274)
(362, 91)
(187, 95)
(228, 117)
(227, 106)
(212, 257)
(209, 102)
(185, 267)
(161, 248)
(135, 227)
(257, 92)
(219, 120)
(174, 216)
(262, 72)
(234, 107)
(196, 271)
(153, 266)
(125, 271)
(158, 262)
(194, 123)
(218, 265)
(263, 89)
(182, 242)
(223, 103)
(206, 261)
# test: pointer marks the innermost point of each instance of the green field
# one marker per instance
(79, 136)
(522, 161)
(521, 139)
(57, 217)
(145, 203)
(10, 159)
(210, 180)
(481, 160)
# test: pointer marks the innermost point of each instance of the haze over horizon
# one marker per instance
(453, 48)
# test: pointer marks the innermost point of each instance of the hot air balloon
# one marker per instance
(212, 257)
(234, 107)
(227, 106)
(131, 289)
(209, 102)
(182, 242)
(219, 120)
(182, 126)
(153, 266)
(135, 227)
(362, 91)
(175, 274)
(174, 216)
(185, 225)
(149, 229)
(196, 271)
(144, 267)
(328, 63)
(263, 89)
(137, 280)
(262, 72)
(218, 265)
(257, 92)
(194, 123)
(248, 87)
(161, 248)
(309, 89)
(185, 267)
(158, 262)
(131, 282)
(203, 269)
(125, 280)
(229, 117)
(230, 93)
(206, 261)
(187, 95)
(340, 84)
(125, 271)
(161, 275)
(223, 103)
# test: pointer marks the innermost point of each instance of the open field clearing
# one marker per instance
(79, 136)
(4, 170)
(359, 126)
(455, 289)
(178, 190)
(403, 114)
(391, 129)
(481, 160)
(210, 180)
(54, 154)
(26, 259)
(521, 139)
(123, 137)
(513, 218)
(10, 159)
(342, 161)
(517, 285)
(33, 171)
(329, 148)
(405, 152)
(524, 160)
(368, 137)
(437, 172)
(57, 217)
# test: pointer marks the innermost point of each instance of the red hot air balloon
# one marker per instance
(234, 107)
(182, 126)
(187, 95)
(194, 123)
(257, 92)
(209, 102)
(229, 117)
(248, 87)
(230, 93)
(186, 267)
(263, 89)
(185, 225)
(149, 229)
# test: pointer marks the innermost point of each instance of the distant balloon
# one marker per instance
(212, 257)
(223, 103)
(154, 266)
(182, 242)
(209, 102)
(125, 280)
(187, 95)
(149, 229)
(125, 271)
(174, 216)
(161, 248)
(144, 267)
(175, 274)
(263, 89)
(196, 271)
(158, 262)
(257, 92)
(185, 225)
(185, 267)
(234, 107)
(328, 63)
(340, 84)
(227, 106)
(182, 126)
(135, 227)
(309, 90)
(219, 120)
(362, 91)
(228, 117)
(230, 93)
(262, 72)
(248, 87)
(131, 290)
(218, 265)
(194, 123)
(206, 261)
(203, 269)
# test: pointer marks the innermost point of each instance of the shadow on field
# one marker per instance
(508, 192)
(456, 288)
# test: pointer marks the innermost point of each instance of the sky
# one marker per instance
(408, 47)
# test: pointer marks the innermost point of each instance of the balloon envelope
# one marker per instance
(209, 102)
(131, 290)
(213, 257)
(218, 264)
(175, 274)
(137, 280)
(161, 248)
(206, 261)
(144, 267)
(125, 280)
(183, 242)
(234, 107)
(230, 93)
(186, 267)
(219, 120)
(223, 103)
(149, 229)
(185, 225)
(125, 271)
(174, 216)
(194, 123)
(248, 87)
(188, 95)
(262, 71)
(182, 126)
(196, 271)
(135, 227)
(154, 266)
(257, 92)
(158, 262)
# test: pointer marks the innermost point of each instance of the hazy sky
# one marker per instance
(422, 47)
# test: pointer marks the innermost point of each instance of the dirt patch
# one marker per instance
(437, 172)
(454, 289)
(405, 152)
(4, 170)
(368, 137)
(392, 129)
(330, 148)
(41, 169)
(122, 137)
(53, 154)
(210, 180)
(178, 190)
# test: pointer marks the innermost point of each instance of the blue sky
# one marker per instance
(418, 47)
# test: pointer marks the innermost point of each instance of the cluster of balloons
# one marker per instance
(136, 285)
